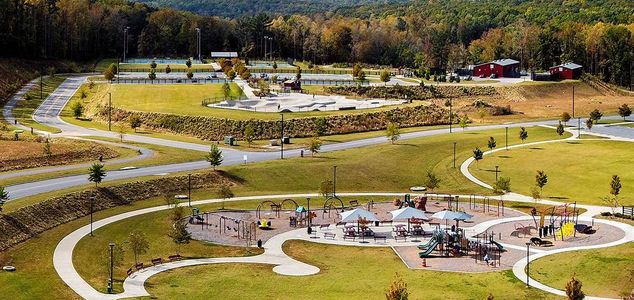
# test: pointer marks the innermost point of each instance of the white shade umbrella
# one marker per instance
(408, 213)
(355, 214)
(451, 215)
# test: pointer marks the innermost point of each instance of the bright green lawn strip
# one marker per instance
(607, 272)
(161, 155)
(345, 273)
(24, 109)
(160, 68)
(577, 170)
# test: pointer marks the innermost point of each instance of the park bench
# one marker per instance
(329, 235)
(340, 223)
(349, 237)
(385, 222)
(157, 261)
(354, 203)
(139, 266)
(324, 226)
(400, 237)
(174, 257)
(378, 236)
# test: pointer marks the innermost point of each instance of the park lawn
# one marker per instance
(103, 64)
(380, 167)
(24, 109)
(160, 68)
(605, 272)
(161, 155)
(577, 170)
(346, 273)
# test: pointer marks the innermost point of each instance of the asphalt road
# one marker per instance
(48, 113)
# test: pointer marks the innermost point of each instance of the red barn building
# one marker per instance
(500, 68)
(566, 71)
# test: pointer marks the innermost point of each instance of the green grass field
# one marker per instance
(24, 109)
(346, 273)
(577, 170)
(607, 272)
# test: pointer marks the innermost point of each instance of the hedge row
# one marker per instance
(413, 92)
(26, 222)
(210, 128)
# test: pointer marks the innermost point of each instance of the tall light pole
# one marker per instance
(507, 137)
(450, 114)
(497, 169)
(198, 43)
(282, 139)
(528, 246)
(579, 127)
(266, 38)
(573, 101)
(111, 267)
(125, 43)
(109, 111)
(334, 181)
(271, 47)
(189, 189)
(92, 200)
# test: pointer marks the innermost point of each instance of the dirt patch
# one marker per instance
(17, 155)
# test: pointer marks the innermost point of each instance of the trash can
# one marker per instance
(286, 140)
(229, 140)
(259, 243)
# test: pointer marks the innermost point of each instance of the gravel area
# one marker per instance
(465, 263)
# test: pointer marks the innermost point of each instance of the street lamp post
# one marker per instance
(110, 111)
(528, 245)
(189, 189)
(309, 218)
(573, 101)
(111, 267)
(497, 169)
(282, 139)
(92, 200)
(507, 138)
(450, 114)
(454, 155)
(334, 181)
(125, 43)
(266, 38)
(198, 43)
(579, 127)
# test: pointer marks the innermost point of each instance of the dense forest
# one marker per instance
(239, 8)
(448, 34)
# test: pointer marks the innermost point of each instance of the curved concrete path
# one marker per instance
(591, 210)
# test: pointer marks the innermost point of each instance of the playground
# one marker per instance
(441, 232)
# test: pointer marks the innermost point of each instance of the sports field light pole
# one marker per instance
(111, 267)
(198, 43)
(110, 111)
(282, 139)
(528, 246)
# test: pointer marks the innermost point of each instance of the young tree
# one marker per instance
(214, 157)
(589, 124)
(596, 115)
(47, 149)
(231, 75)
(385, 76)
(298, 73)
(274, 65)
(477, 155)
(4, 197)
(615, 186)
(188, 63)
(152, 74)
(314, 146)
(491, 143)
(77, 108)
(226, 90)
(325, 187)
(179, 234)
(464, 121)
(560, 129)
(248, 134)
(190, 74)
(625, 111)
(153, 65)
(321, 126)
(168, 69)
(356, 68)
(565, 117)
(573, 289)
(138, 244)
(393, 132)
(107, 74)
(361, 76)
(431, 181)
(523, 134)
(135, 122)
(96, 173)
(397, 289)
(541, 179)
(224, 192)
(503, 185)
(245, 75)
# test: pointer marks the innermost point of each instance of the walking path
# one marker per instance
(273, 253)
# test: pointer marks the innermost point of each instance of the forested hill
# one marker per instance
(238, 8)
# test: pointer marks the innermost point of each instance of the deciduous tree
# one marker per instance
(214, 157)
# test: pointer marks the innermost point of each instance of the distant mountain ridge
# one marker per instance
(238, 8)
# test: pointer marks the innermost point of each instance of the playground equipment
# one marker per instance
(275, 207)
(244, 230)
(484, 203)
(486, 249)
(419, 202)
(436, 240)
(558, 217)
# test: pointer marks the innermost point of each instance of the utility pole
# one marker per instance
(109, 111)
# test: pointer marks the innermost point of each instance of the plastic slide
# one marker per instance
(500, 247)
(431, 248)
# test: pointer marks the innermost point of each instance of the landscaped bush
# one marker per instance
(26, 222)
(210, 128)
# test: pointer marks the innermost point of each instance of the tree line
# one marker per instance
(437, 35)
